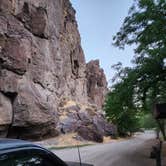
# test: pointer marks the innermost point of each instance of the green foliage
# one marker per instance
(145, 26)
(139, 88)
(147, 121)
(119, 107)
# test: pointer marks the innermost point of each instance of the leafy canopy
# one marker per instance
(145, 26)
(139, 87)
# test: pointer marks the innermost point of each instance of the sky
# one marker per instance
(98, 21)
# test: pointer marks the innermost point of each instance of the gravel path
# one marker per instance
(132, 152)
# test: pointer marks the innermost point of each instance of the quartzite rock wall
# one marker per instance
(41, 63)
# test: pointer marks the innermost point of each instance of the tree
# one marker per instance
(145, 27)
(120, 106)
(147, 121)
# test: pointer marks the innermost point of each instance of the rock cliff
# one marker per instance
(41, 66)
(96, 83)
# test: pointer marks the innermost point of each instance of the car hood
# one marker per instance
(77, 164)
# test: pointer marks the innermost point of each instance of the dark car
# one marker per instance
(23, 153)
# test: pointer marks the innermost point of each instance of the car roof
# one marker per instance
(9, 144)
(14, 143)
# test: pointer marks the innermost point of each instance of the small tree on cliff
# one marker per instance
(145, 26)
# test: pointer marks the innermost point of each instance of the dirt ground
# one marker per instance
(70, 140)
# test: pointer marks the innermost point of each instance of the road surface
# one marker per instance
(132, 152)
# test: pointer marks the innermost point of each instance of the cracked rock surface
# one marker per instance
(41, 64)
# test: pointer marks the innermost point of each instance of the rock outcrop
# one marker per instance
(41, 63)
(96, 83)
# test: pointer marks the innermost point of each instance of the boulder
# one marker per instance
(68, 125)
(99, 124)
(111, 130)
(104, 127)
(90, 133)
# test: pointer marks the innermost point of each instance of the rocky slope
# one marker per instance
(41, 66)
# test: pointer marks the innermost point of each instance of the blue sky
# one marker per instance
(98, 21)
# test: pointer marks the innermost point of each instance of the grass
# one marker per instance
(68, 147)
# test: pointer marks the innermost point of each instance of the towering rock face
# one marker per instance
(96, 83)
(41, 63)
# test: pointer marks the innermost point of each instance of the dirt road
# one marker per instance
(132, 152)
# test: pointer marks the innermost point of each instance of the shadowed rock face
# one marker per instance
(41, 62)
